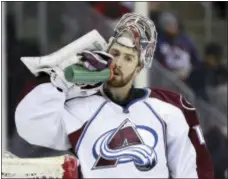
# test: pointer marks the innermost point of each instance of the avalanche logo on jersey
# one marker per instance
(124, 145)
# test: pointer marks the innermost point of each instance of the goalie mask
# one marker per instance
(143, 32)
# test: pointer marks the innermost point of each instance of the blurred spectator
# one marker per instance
(207, 75)
(175, 51)
(218, 95)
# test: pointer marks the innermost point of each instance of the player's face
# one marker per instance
(126, 65)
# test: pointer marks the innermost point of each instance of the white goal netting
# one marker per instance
(50, 167)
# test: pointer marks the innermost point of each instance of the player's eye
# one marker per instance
(114, 53)
(129, 59)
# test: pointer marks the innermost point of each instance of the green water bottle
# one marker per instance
(79, 75)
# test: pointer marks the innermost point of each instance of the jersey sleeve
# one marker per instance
(204, 164)
(181, 154)
(40, 115)
(203, 159)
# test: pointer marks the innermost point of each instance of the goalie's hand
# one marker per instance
(95, 60)
(91, 60)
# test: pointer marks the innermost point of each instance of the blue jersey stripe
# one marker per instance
(160, 120)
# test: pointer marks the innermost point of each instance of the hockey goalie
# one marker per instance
(114, 129)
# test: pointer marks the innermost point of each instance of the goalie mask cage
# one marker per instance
(50, 167)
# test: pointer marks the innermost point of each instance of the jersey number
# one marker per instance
(199, 134)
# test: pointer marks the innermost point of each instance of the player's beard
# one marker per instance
(120, 81)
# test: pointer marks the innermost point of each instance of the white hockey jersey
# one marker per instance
(146, 139)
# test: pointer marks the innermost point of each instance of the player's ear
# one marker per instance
(137, 70)
(139, 67)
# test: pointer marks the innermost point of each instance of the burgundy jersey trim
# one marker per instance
(203, 160)
(74, 136)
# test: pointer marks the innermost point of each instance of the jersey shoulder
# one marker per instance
(179, 101)
(84, 108)
(173, 98)
(168, 112)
